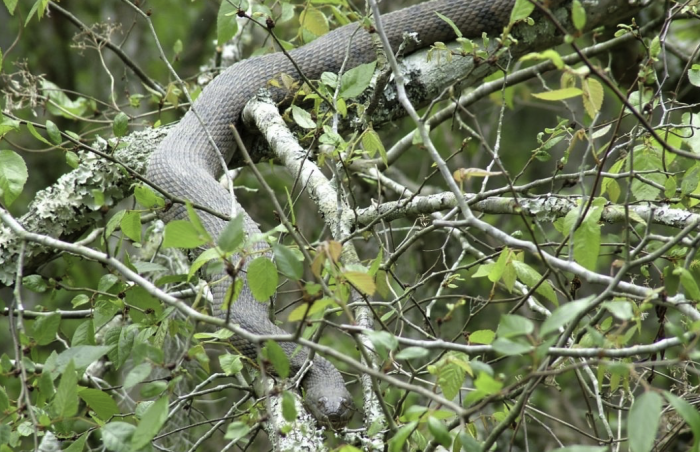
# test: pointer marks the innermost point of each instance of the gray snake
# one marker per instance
(186, 165)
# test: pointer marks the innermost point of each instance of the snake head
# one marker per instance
(331, 408)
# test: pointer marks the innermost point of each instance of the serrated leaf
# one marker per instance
(362, 281)
(558, 95)
(226, 23)
(45, 328)
(276, 355)
(593, 94)
(121, 125)
(356, 80)
(230, 363)
(53, 132)
(13, 175)
(151, 422)
(643, 421)
(233, 234)
(287, 262)
(521, 10)
(313, 24)
(531, 277)
(262, 278)
(65, 402)
(131, 225)
(116, 436)
(100, 402)
(372, 143)
(147, 198)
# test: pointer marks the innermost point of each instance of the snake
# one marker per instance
(187, 165)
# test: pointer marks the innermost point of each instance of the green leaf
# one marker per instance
(182, 234)
(362, 281)
(226, 23)
(289, 409)
(621, 309)
(356, 80)
(587, 239)
(78, 444)
(313, 24)
(449, 22)
(558, 95)
(694, 75)
(513, 326)
(233, 234)
(482, 337)
(121, 124)
(288, 263)
(100, 402)
(688, 282)
(396, 443)
(276, 355)
(372, 143)
(413, 352)
(521, 10)
(53, 132)
(11, 5)
(440, 432)
(236, 431)
(643, 421)
(383, 341)
(578, 15)
(147, 198)
(4, 400)
(7, 125)
(45, 328)
(531, 277)
(262, 278)
(302, 118)
(13, 175)
(131, 225)
(230, 363)
(689, 413)
(509, 347)
(487, 384)
(35, 283)
(563, 315)
(116, 436)
(82, 356)
(150, 424)
(137, 375)
(66, 400)
(451, 378)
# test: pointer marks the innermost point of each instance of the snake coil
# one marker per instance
(187, 166)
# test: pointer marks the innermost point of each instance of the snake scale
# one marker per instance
(187, 166)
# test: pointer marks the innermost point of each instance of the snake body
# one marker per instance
(187, 166)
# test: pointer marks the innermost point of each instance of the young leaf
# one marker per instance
(150, 424)
(287, 262)
(13, 175)
(356, 80)
(182, 234)
(121, 124)
(643, 421)
(233, 234)
(276, 355)
(262, 278)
